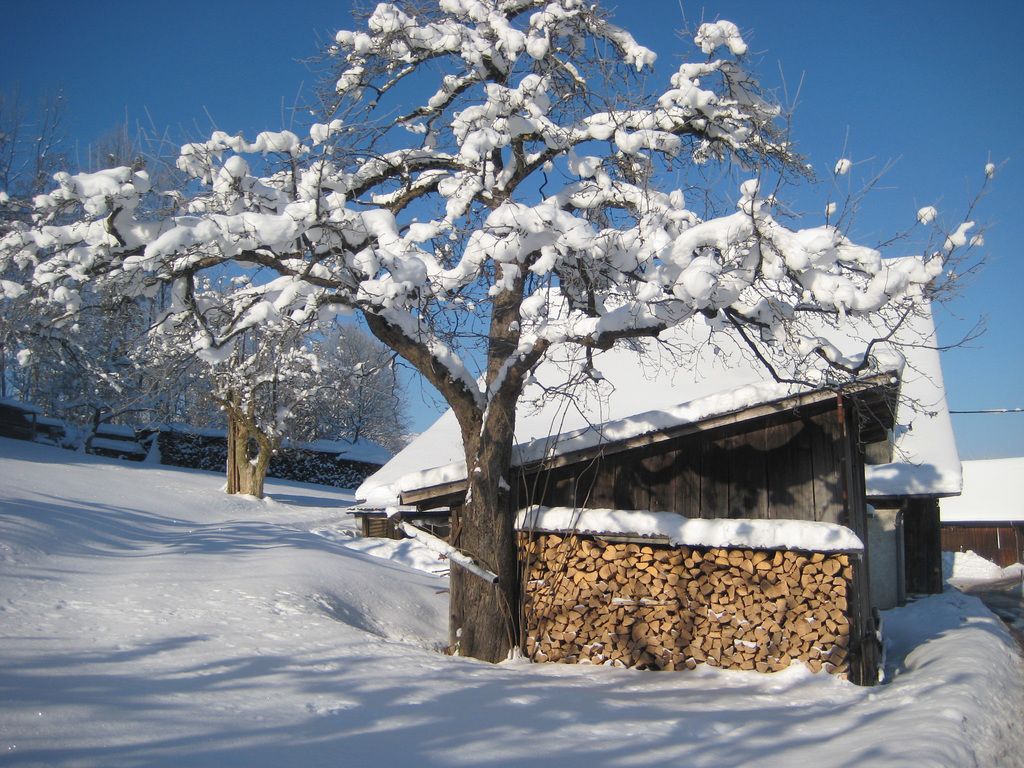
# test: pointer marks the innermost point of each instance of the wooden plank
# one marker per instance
(922, 547)
(630, 486)
(714, 478)
(595, 486)
(789, 471)
(1002, 544)
(853, 455)
(864, 646)
(863, 628)
(651, 475)
(748, 480)
(556, 488)
(825, 460)
(660, 478)
(685, 489)
(444, 495)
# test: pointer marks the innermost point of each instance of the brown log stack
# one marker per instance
(657, 607)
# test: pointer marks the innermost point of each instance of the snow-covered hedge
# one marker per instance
(208, 450)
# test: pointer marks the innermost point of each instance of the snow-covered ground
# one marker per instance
(146, 619)
(967, 568)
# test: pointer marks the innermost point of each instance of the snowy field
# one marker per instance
(146, 619)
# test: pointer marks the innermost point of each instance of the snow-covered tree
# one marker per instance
(86, 358)
(492, 180)
(256, 366)
(257, 386)
(31, 151)
(355, 394)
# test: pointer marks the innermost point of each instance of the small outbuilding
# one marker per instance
(25, 421)
(718, 444)
(385, 523)
(988, 518)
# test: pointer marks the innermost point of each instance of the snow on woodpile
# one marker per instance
(360, 449)
(993, 493)
(681, 531)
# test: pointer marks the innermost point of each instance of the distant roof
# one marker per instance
(362, 449)
(636, 394)
(993, 493)
(10, 402)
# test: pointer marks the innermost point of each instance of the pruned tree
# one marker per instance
(493, 180)
(258, 386)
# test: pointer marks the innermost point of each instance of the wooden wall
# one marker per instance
(16, 423)
(786, 467)
(922, 547)
(376, 525)
(1002, 544)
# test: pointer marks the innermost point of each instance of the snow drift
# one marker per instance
(147, 619)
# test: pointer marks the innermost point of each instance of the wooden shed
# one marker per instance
(799, 458)
(719, 441)
(24, 421)
(379, 523)
(19, 420)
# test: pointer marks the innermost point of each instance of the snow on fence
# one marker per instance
(594, 600)
(24, 421)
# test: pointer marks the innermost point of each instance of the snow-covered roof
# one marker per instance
(363, 450)
(993, 493)
(123, 446)
(10, 402)
(682, 531)
(636, 394)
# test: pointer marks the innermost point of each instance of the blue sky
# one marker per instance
(937, 87)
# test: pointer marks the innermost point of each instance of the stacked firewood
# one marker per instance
(658, 607)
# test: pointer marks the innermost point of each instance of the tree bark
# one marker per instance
(238, 451)
(484, 617)
(246, 475)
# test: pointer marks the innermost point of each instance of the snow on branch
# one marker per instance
(444, 549)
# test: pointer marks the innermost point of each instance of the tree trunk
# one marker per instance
(238, 453)
(484, 617)
(258, 473)
(246, 475)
